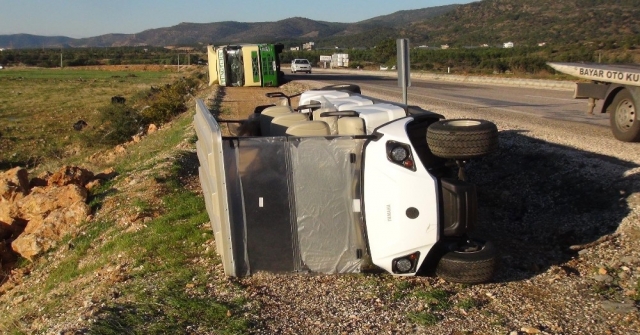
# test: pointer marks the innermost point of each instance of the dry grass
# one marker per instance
(38, 108)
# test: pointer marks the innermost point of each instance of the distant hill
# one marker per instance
(531, 22)
(20, 41)
(492, 22)
(401, 18)
(294, 29)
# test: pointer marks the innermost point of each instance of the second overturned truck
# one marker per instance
(245, 65)
(345, 183)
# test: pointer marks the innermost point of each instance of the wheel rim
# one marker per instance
(470, 246)
(625, 115)
(463, 123)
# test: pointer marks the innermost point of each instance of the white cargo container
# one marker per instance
(339, 60)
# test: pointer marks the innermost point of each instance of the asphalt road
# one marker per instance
(535, 102)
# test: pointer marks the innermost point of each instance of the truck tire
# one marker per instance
(344, 87)
(462, 138)
(471, 262)
(623, 118)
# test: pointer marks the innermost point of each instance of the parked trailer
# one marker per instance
(618, 86)
(344, 184)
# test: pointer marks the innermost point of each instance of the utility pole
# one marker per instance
(61, 58)
(188, 60)
(404, 72)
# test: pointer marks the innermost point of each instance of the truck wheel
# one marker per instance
(462, 138)
(624, 117)
(344, 87)
(471, 262)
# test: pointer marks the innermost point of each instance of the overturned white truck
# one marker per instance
(619, 88)
(345, 183)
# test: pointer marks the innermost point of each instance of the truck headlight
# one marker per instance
(406, 264)
(400, 153)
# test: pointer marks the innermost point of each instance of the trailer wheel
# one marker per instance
(624, 117)
(471, 262)
(344, 87)
(462, 138)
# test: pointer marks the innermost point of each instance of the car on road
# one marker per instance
(300, 65)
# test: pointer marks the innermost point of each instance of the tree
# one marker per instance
(385, 51)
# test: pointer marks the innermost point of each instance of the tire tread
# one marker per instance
(468, 268)
(466, 272)
(461, 142)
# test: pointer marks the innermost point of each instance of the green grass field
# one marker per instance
(38, 108)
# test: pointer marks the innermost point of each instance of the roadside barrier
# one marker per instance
(211, 172)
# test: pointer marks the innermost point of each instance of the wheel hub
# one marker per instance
(463, 123)
(625, 115)
(470, 246)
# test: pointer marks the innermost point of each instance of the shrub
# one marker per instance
(118, 123)
(167, 102)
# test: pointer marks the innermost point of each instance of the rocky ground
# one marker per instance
(561, 202)
(36, 212)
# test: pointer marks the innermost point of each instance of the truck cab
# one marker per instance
(345, 183)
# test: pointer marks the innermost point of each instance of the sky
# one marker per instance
(88, 18)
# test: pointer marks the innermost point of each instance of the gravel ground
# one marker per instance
(561, 202)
